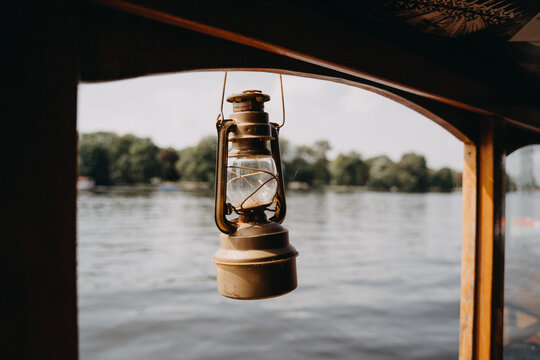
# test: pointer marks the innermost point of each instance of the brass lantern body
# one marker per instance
(256, 262)
(255, 259)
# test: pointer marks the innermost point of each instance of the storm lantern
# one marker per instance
(255, 259)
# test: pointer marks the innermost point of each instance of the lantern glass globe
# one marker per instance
(251, 181)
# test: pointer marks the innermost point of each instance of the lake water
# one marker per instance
(378, 275)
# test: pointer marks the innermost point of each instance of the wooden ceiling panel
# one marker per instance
(478, 71)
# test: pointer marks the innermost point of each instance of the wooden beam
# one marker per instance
(482, 288)
(468, 257)
(357, 49)
(490, 244)
(120, 45)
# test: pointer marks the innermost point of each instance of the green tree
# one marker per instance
(443, 180)
(309, 164)
(304, 152)
(412, 173)
(94, 158)
(349, 169)
(320, 149)
(321, 172)
(320, 165)
(298, 169)
(382, 173)
(143, 158)
(123, 159)
(100, 137)
(198, 163)
(168, 158)
(121, 172)
(94, 161)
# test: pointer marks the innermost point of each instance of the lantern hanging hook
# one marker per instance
(220, 115)
(282, 101)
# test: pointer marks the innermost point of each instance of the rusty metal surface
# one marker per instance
(221, 209)
(256, 262)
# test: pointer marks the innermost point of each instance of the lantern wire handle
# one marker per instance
(282, 101)
(222, 117)
(222, 97)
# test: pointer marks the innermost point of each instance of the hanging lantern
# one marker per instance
(255, 259)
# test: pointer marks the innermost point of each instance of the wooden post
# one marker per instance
(482, 280)
(468, 257)
(38, 277)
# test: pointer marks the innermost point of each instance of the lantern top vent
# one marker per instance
(249, 100)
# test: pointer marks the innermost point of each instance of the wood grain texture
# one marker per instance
(119, 45)
(468, 257)
(362, 48)
(484, 293)
(490, 244)
(482, 274)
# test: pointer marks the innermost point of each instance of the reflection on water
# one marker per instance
(522, 276)
(378, 278)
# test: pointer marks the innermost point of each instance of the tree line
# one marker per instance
(111, 159)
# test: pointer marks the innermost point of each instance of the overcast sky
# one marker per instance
(177, 110)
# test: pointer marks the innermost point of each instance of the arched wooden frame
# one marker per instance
(55, 45)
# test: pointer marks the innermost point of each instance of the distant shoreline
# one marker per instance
(207, 187)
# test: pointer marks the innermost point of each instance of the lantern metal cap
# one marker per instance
(248, 100)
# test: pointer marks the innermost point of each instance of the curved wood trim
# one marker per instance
(171, 19)
(121, 45)
(362, 52)
(401, 99)
(517, 137)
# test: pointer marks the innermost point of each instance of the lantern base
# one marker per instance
(256, 262)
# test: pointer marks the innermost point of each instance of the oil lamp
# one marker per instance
(255, 259)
